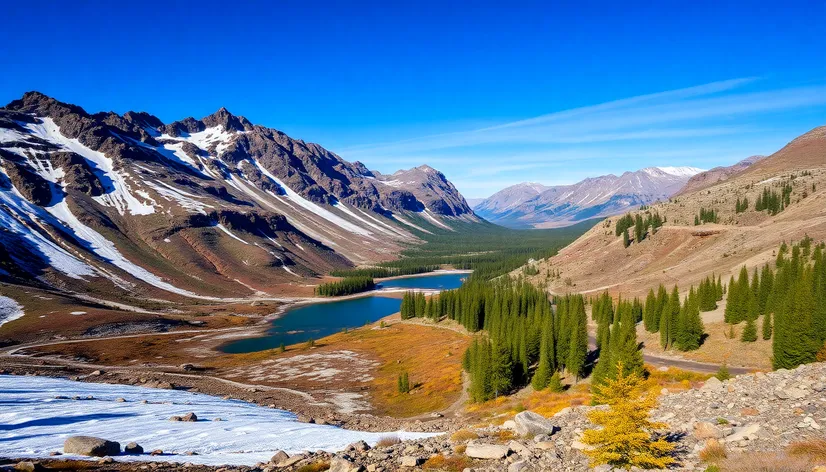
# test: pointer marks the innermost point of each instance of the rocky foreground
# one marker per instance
(747, 414)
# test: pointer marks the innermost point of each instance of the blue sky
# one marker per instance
(547, 91)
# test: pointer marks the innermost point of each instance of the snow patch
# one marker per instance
(10, 310)
(39, 424)
(230, 233)
(118, 195)
(313, 207)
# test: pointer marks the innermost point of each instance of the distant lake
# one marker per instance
(318, 320)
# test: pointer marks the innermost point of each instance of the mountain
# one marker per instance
(534, 205)
(210, 207)
(683, 253)
(717, 174)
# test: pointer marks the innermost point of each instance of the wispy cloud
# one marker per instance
(629, 126)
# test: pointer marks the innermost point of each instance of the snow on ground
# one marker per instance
(118, 194)
(15, 210)
(230, 233)
(434, 220)
(10, 310)
(402, 220)
(313, 207)
(34, 423)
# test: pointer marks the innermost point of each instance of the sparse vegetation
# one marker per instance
(453, 463)
(387, 441)
(713, 452)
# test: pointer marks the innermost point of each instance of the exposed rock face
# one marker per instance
(215, 206)
(534, 205)
(90, 446)
(716, 175)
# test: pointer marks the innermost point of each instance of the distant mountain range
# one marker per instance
(217, 206)
(528, 205)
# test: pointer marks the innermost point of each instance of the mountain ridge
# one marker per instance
(214, 205)
(535, 205)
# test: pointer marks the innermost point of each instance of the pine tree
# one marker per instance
(624, 437)
(749, 334)
(578, 347)
(555, 383)
(767, 326)
(626, 240)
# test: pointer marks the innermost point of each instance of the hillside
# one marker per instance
(534, 205)
(211, 207)
(716, 175)
(682, 253)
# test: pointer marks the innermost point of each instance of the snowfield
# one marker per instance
(10, 310)
(34, 423)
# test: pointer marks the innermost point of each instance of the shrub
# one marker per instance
(814, 449)
(713, 451)
(455, 463)
(316, 467)
(723, 373)
(821, 354)
(463, 435)
(387, 441)
(766, 462)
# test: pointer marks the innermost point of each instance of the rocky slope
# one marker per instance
(534, 205)
(682, 253)
(716, 175)
(200, 207)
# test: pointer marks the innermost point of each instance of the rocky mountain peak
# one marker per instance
(229, 121)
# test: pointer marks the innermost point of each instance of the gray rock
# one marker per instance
(133, 448)
(706, 430)
(339, 464)
(748, 431)
(279, 456)
(520, 466)
(712, 385)
(290, 461)
(530, 424)
(487, 451)
(410, 461)
(90, 446)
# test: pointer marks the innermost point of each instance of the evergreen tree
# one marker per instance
(626, 241)
(578, 347)
(767, 326)
(624, 437)
(749, 334)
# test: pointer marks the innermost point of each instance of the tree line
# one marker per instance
(526, 337)
(772, 201)
(790, 298)
(346, 286)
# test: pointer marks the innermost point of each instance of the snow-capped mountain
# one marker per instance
(534, 205)
(214, 206)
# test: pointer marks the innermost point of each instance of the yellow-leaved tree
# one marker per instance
(625, 438)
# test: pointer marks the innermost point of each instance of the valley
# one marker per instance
(216, 265)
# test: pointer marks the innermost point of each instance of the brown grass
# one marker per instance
(389, 440)
(316, 467)
(814, 449)
(463, 435)
(713, 452)
(455, 463)
(766, 462)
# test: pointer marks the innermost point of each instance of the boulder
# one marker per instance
(706, 430)
(290, 461)
(519, 448)
(279, 456)
(748, 431)
(712, 385)
(133, 448)
(339, 464)
(530, 424)
(190, 417)
(520, 466)
(510, 424)
(410, 461)
(487, 451)
(90, 446)
(360, 446)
